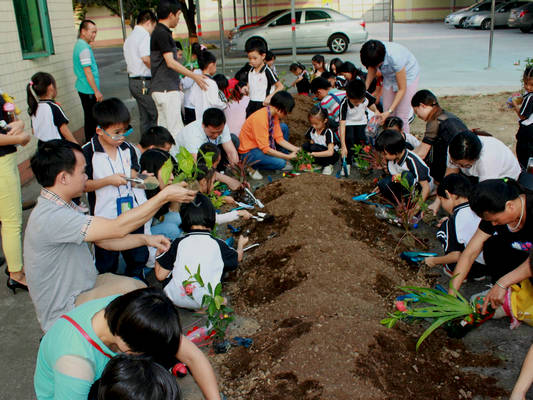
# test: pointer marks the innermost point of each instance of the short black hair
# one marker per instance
(208, 147)
(198, 212)
(213, 117)
(528, 73)
(372, 53)
(147, 321)
(456, 184)
(110, 112)
(425, 97)
(355, 89)
(465, 146)
(84, 25)
(391, 141)
(320, 83)
(129, 377)
(196, 49)
(256, 45)
(319, 58)
(283, 101)
(490, 196)
(157, 136)
(167, 7)
(205, 58)
(53, 157)
(393, 122)
(269, 56)
(327, 75)
(145, 16)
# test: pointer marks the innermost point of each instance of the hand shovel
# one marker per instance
(143, 181)
(256, 200)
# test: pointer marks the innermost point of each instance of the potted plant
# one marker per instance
(303, 161)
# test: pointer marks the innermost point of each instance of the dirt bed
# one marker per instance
(317, 290)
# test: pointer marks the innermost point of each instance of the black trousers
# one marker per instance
(252, 107)
(355, 134)
(107, 261)
(524, 144)
(322, 161)
(87, 102)
(501, 257)
(189, 115)
(224, 161)
(390, 189)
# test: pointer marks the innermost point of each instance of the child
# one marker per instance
(212, 97)
(110, 162)
(441, 127)
(334, 65)
(47, 118)
(396, 123)
(189, 114)
(524, 136)
(262, 82)
(321, 143)
(356, 109)
(236, 110)
(330, 99)
(402, 164)
(197, 248)
(319, 65)
(270, 59)
(330, 78)
(455, 232)
(350, 72)
(157, 137)
(302, 78)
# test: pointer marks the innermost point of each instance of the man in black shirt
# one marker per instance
(166, 69)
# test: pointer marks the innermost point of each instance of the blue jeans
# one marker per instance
(170, 227)
(265, 161)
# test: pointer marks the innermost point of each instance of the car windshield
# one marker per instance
(269, 16)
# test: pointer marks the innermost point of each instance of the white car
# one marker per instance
(501, 14)
(459, 17)
(315, 27)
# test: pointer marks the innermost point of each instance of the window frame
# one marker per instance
(311, 21)
(46, 29)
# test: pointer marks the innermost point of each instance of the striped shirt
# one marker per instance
(526, 109)
(332, 103)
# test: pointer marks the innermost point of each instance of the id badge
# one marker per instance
(124, 204)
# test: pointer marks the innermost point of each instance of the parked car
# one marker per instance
(522, 18)
(458, 18)
(501, 15)
(315, 27)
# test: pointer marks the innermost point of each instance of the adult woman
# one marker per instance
(10, 200)
(400, 71)
(75, 351)
(504, 234)
(261, 135)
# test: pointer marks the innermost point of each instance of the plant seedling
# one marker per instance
(303, 161)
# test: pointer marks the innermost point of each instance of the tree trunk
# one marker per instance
(189, 12)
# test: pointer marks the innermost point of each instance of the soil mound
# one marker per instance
(322, 278)
(297, 120)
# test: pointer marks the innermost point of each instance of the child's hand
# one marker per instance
(244, 214)
(434, 207)
(344, 151)
(430, 261)
(242, 241)
(229, 200)
(117, 180)
(441, 221)
(267, 100)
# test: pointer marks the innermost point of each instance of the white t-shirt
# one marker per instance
(495, 161)
(47, 120)
(192, 136)
(201, 100)
(137, 45)
(186, 85)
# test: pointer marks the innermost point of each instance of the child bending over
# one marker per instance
(302, 78)
(396, 123)
(524, 110)
(319, 65)
(321, 144)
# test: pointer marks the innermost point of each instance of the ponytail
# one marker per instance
(490, 196)
(36, 88)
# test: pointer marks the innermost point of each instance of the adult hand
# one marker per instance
(99, 96)
(233, 184)
(381, 117)
(16, 127)
(495, 297)
(244, 214)
(517, 396)
(201, 80)
(117, 180)
(430, 261)
(292, 156)
(160, 242)
(177, 192)
(344, 151)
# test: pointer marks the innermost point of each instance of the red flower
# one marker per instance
(217, 192)
(366, 149)
(189, 289)
(309, 166)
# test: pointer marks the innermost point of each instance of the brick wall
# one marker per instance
(15, 72)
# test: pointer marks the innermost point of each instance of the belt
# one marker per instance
(139, 78)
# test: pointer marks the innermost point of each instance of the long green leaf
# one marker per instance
(433, 326)
(166, 171)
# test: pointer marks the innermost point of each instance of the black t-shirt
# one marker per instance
(4, 150)
(522, 236)
(161, 42)
(303, 87)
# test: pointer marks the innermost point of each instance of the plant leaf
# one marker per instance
(219, 301)
(433, 326)
(218, 289)
(166, 171)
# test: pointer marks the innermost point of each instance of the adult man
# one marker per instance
(166, 69)
(87, 76)
(60, 269)
(137, 55)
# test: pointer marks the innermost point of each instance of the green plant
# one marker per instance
(240, 169)
(187, 52)
(187, 167)
(303, 161)
(219, 314)
(367, 158)
(444, 307)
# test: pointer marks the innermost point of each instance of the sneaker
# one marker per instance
(287, 167)
(255, 175)
(328, 170)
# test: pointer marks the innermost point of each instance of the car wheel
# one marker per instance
(255, 39)
(485, 24)
(527, 29)
(461, 23)
(338, 43)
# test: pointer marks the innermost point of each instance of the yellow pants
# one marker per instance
(11, 211)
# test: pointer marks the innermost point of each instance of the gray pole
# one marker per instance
(245, 11)
(391, 20)
(198, 20)
(293, 29)
(121, 6)
(491, 40)
(221, 29)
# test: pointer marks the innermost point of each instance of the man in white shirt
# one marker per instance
(137, 55)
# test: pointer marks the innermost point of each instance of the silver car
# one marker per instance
(502, 13)
(458, 18)
(315, 27)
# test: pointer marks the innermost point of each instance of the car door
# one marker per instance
(502, 14)
(278, 32)
(315, 29)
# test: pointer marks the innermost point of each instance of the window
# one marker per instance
(286, 19)
(33, 25)
(316, 15)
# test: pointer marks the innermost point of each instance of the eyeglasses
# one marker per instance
(119, 136)
(462, 163)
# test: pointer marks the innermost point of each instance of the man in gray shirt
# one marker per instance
(59, 266)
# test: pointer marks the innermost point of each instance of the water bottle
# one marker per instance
(9, 112)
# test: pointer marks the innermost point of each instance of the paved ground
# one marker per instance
(453, 62)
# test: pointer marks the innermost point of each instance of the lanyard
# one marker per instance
(86, 336)
(113, 170)
(271, 140)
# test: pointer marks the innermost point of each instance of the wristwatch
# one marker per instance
(390, 110)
